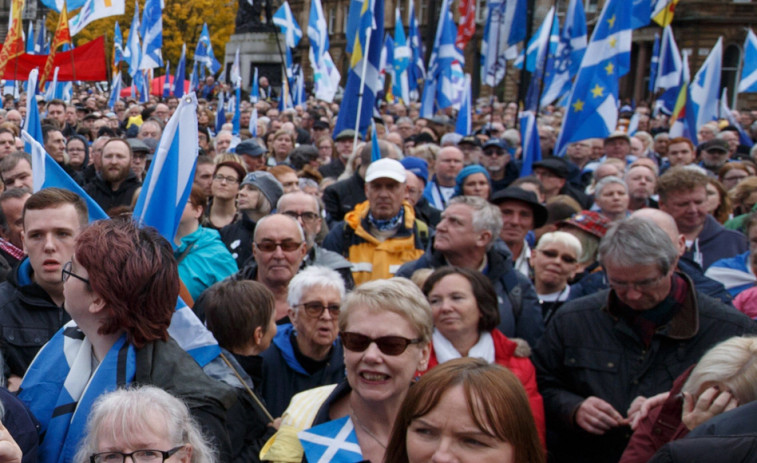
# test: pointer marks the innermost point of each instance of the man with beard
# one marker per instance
(116, 184)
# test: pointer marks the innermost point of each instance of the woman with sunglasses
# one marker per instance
(385, 327)
(555, 262)
(466, 314)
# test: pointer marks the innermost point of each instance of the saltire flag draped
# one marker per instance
(726, 113)
(748, 81)
(505, 27)
(466, 24)
(93, 10)
(355, 111)
(118, 46)
(167, 80)
(546, 31)
(464, 124)
(14, 40)
(115, 90)
(151, 31)
(529, 133)
(416, 72)
(662, 11)
(567, 59)
(30, 38)
(593, 103)
(236, 81)
(402, 55)
(704, 89)
(204, 51)
(133, 51)
(288, 25)
(62, 35)
(654, 63)
(546, 46)
(255, 92)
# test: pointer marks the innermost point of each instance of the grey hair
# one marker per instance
(609, 180)
(268, 217)
(560, 237)
(127, 412)
(311, 277)
(638, 241)
(486, 216)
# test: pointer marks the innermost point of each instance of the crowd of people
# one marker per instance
(415, 299)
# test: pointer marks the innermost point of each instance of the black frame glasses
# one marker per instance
(388, 345)
(66, 272)
(137, 456)
(315, 309)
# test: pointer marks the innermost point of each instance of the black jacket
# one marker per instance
(28, 318)
(237, 236)
(587, 350)
(333, 169)
(342, 197)
(103, 195)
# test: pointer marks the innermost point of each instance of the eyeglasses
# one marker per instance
(137, 456)
(286, 246)
(305, 216)
(550, 253)
(221, 178)
(315, 309)
(388, 345)
(637, 285)
(489, 153)
(66, 273)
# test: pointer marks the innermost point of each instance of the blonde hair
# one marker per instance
(732, 364)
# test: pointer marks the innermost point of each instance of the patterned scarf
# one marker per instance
(388, 224)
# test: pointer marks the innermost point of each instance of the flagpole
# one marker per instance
(73, 66)
(362, 86)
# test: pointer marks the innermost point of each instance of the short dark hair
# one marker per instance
(483, 291)
(55, 197)
(13, 193)
(235, 166)
(10, 161)
(46, 129)
(121, 140)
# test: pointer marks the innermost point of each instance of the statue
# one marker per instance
(249, 16)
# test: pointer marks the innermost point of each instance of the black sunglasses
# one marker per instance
(286, 246)
(563, 257)
(388, 345)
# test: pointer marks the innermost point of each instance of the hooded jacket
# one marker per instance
(203, 260)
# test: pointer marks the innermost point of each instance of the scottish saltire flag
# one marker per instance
(654, 63)
(641, 13)
(416, 72)
(254, 123)
(115, 90)
(220, 113)
(748, 81)
(505, 27)
(633, 124)
(178, 80)
(326, 79)
(299, 97)
(662, 11)
(531, 52)
(331, 442)
(593, 103)
(546, 46)
(167, 80)
(669, 68)
(32, 123)
(30, 38)
(375, 149)
(363, 77)
(204, 51)
(445, 81)
(57, 5)
(93, 10)
(133, 51)
(140, 83)
(402, 56)
(152, 35)
(464, 124)
(529, 134)
(353, 23)
(567, 58)
(704, 89)
(236, 81)
(288, 25)
(726, 113)
(118, 46)
(318, 33)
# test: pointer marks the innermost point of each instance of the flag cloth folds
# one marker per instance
(592, 110)
(118, 46)
(115, 90)
(402, 55)
(178, 80)
(748, 81)
(363, 77)
(662, 11)
(353, 23)
(236, 81)
(466, 24)
(94, 10)
(204, 51)
(464, 124)
(445, 80)
(326, 79)
(641, 13)
(62, 35)
(529, 133)
(288, 25)
(704, 89)
(681, 121)
(654, 63)
(334, 442)
(726, 113)
(255, 92)
(14, 39)
(505, 27)
(151, 31)
(220, 113)
(546, 41)
(669, 69)
(417, 70)
(530, 54)
(41, 45)
(133, 51)
(167, 81)
(254, 123)
(30, 38)
(567, 58)
(317, 33)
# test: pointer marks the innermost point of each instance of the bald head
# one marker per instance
(666, 222)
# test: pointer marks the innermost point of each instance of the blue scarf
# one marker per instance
(387, 224)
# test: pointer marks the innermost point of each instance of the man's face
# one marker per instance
(494, 159)
(641, 183)
(56, 144)
(344, 148)
(162, 112)
(617, 148)
(551, 182)
(455, 232)
(202, 140)
(7, 144)
(204, 177)
(517, 220)
(414, 188)
(116, 161)
(449, 163)
(49, 237)
(20, 176)
(714, 158)
(680, 154)
(13, 208)
(223, 141)
(579, 152)
(471, 153)
(641, 287)
(688, 208)
(71, 118)
(705, 133)
(254, 163)
(637, 147)
(385, 196)
(278, 266)
(303, 208)
(57, 112)
(149, 130)
(732, 139)
(661, 144)
(406, 129)
(14, 116)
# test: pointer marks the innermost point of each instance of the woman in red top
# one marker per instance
(465, 310)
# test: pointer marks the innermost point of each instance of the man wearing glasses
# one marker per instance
(32, 298)
(496, 158)
(604, 353)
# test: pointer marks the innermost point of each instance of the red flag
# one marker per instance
(62, 35)
(467, 23)
(14, 41)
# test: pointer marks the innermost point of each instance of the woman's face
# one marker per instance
(248, 198)
(282, 145)
(373, 375)
(454, 307)
(733, 177)
(613, 199)
(150, 437)
(202, 118)
(713, 198)
(225, 183)
(476, 185)
(75, 150)
(78, 293)
(325, 150)
(554, 264)
(448, 433)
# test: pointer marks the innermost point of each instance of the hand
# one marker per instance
(640, 407)
(14, 382)
(10, 452)
(710, 403)
(596, 416)
(275, 424)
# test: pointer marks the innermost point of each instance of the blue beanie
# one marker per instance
(417, 166)
(469, 170)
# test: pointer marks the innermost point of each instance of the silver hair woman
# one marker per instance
(555, 262)
(142, 421)
(314, 277)
(611, 196)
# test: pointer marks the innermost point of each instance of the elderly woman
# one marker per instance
(385, 327)
(464, 306)
(611, 198)
(121, 289)
(146, 424)
(485, 418)
(280, 144)
(589, 227)
(222, 208)
(555, 263)
(473, 180)
(78, 152)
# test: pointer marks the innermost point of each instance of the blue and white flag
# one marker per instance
(30, 38)
(220, 113)
(593, 103)
(546, 32)
(464, 124)
(546, 45)
(94, 10)
(331, 442)
(748, 81)
(204, 51)
(42, 45)
(670, 65)
(236, 81)
(726, 113)
(641, 13)
(118, 45)
(633, 124)
(288, 25)
(254, 123)
(56, 5)
(445, 81)
(115, 90)
(53, 91)
(353, 23)
(255, 92)
(181, 69)
(654, 63)
(194, 81)
(326, 79)
(416, 72)
(567, 58)
(529, 133)
(318, 33)
(152, 35)
(167, 81)
(386, 60)
(402, 56)
(299, 97)
(364, 70)
(705, 88)
(505, 27)
(32, 123)
(133, 51)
